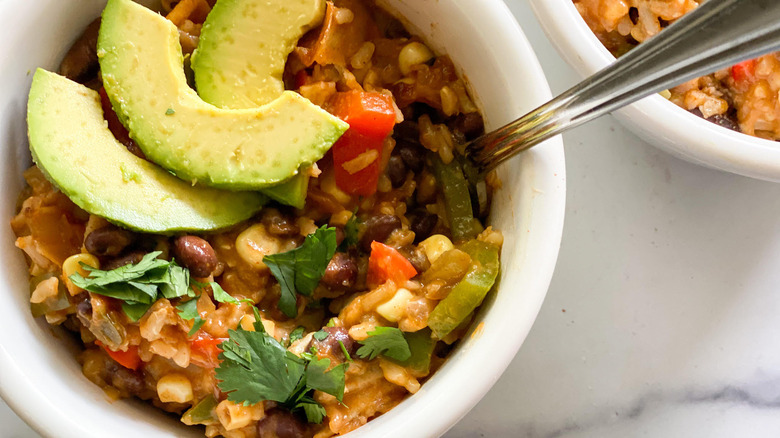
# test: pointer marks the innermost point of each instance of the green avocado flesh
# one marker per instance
(72, 145)
(243, 48)
(240, 60)
(238, 149)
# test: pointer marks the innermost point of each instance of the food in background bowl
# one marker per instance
(743, 98)
(326, 308)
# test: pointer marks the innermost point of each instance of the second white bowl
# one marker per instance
(654, 118)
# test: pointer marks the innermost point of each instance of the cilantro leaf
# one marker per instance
(122, 274)
(331, 382)
(300, 270)
(135, 311)
(314, 411)
(387, 341)
(321, 335)
(137, 285)
(188, 310)
(344, 350)
(256, 367)
(177, 284)
(351, 230)
(221, 296)
(296, 334)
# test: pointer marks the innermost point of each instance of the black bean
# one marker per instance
(417, 258)
(280, 424)
(471, 125)
(81, 62)
(396, 171)
(422, 224)
(421, 109)
(341, 273)
(126, 259)
(279, 224)
(195, 254)
(108, 241)
(633, 14)
(378, 228)
(412, 154)
(406, 130)
(728, 120)
(127, 381)
(84, 308)
(330, 346)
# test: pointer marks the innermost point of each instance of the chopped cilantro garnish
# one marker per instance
(387, 341)
(135, 311)
(351, 230)
(314, 411)
(170, 112)
(188, 310)
(256, 367)
(140, 285)
(221, 296)
(137, 285)
(344, 350)
(300, 270)
(296, 334)
(321, 335)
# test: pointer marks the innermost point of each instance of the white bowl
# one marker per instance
(39, 375)
(654, 118)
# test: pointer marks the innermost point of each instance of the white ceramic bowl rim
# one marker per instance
(677, 130)
(42, 382)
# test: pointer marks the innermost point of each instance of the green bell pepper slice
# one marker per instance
(421, 345)
(457, 199)
(469, 293)
(201, 413)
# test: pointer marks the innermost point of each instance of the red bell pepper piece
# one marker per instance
(386, 263)
(371, 114)
(205, 350)
(744, 70)
(371, 117)
(128, 359)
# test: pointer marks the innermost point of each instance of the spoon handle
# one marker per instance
(715, 35)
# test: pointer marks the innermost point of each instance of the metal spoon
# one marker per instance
(717, 34)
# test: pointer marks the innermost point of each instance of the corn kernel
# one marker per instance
(254, 243)
(435, 246)
(72, 265)
(413, 54)
(395, 308)
(174, 388)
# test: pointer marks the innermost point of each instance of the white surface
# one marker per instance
(45, 381)
(656, 119)
(668, 274)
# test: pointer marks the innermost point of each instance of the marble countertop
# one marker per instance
(662, 317)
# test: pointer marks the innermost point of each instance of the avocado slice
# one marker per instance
(240, 60)
(72, 145)
(245, 149)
